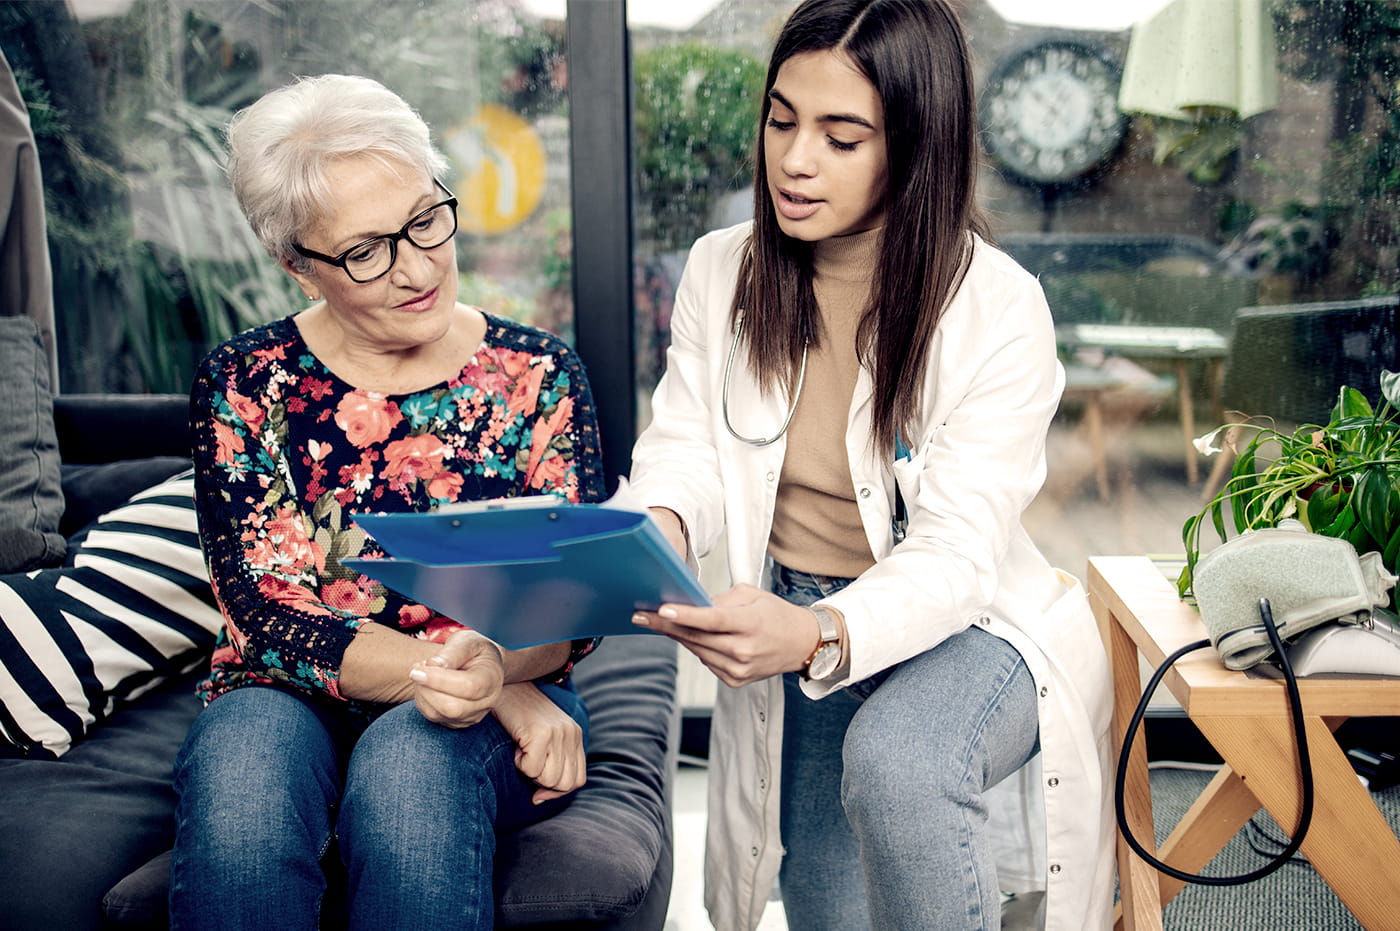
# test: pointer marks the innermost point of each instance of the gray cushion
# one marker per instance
(31, 497)
(75, 826)
(607, 857)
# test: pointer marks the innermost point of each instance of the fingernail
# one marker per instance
(667, 611)
(417, 675)
(435, 660)
(641, 620)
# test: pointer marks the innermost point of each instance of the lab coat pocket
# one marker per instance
(907, 473)
(906, 492)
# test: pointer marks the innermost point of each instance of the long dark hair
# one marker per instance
(915, 54)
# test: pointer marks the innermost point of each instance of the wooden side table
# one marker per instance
(1350, 843)
(1094, 388)
(1182, 346)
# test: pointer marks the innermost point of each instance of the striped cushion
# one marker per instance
(133, 607)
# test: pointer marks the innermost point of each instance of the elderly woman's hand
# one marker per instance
(549, 743)
(461, 684)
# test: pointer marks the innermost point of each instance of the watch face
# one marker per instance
(1050, 112)
(825, 662)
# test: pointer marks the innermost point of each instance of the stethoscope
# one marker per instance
(899, 520)
(724, 395)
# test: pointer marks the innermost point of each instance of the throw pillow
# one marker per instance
(132, 608)
(31, 498)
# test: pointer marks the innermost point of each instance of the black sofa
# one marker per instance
(84, 838)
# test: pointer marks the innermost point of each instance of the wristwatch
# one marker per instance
(827, 656)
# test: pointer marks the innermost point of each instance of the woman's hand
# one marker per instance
(548, 743)
(748, 634)
(461, 683)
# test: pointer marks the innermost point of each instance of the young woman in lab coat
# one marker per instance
(915, 706)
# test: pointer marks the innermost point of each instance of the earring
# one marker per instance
(311, 296)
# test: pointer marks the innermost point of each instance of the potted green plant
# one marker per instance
(1341, 478)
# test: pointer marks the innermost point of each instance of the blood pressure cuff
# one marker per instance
(1308, 578)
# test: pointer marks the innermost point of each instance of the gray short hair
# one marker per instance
(281, 146)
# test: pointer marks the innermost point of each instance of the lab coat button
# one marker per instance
(762, 717)
(763, 785)
(1052, 781)
(865, 492)
(753, 852)
(1044, 690)
(769, 476)
(1054, 868)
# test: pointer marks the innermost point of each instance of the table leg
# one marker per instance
(1138, 889)
(1093, 424)
(1215, 376)
(1347, 828)
(1188, 417)
(1217, 815)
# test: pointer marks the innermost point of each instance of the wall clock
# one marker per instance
(1050, 113)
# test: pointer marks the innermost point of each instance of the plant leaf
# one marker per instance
(1339, 527)
(1322, 509)
(1360, 540)
(1372, 502)
(1391, 553)
(1242, 479)
(1190, 537)
(1351, 403)
(1183, 581)
(1390, 388)
(1217, 520)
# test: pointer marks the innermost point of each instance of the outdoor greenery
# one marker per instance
(1293, 240)
(1203, 149)
(1340, 479)
(696, 115)
(152, 261)
(1356, 46)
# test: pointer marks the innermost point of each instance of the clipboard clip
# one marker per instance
(518, 503)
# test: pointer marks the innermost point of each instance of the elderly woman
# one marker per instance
(347, 728)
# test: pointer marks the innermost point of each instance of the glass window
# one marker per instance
(696, 85)
(1159, 222)
(152, 260)
(1150, 225)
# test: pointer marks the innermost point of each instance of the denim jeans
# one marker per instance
(883, 822)
(268, 779)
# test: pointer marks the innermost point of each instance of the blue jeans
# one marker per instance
(882, 816)
(269, 781)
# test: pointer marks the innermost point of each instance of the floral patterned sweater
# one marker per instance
(286, 454)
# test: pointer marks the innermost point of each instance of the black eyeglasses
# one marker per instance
(371, 259)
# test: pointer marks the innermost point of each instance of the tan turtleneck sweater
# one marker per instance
(816, 524)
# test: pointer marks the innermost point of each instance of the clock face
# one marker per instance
(1050, 112)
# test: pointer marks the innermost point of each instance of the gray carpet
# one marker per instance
(1292, 898)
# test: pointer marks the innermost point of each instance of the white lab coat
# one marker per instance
(977, 459)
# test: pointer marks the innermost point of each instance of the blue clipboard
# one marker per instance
(526, 571)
